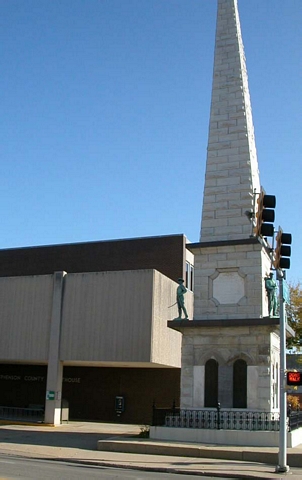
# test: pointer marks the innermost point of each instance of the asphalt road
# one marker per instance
(13, 468)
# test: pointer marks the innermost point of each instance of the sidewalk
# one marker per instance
(119, 446)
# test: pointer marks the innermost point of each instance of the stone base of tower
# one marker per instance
(233, 362)
(224, 437)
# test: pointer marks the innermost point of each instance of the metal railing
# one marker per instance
(22, 414)
(294, 420)
(224, 419)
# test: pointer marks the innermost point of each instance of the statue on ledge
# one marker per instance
(181, 290)
(271, 290)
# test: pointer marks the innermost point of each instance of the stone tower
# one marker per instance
(230, 263)
(232, 174)
(230, 350)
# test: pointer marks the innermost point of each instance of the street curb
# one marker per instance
(196, 451)
(142, 468)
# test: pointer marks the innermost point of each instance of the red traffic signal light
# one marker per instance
(294, 378)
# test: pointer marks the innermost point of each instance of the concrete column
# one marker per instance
(198, 386)
(252, 387)
(225, 386)
(55, 366)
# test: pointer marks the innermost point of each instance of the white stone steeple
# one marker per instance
(232, 169)
(231, 344)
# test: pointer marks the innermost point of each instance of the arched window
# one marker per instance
(211, 384)
(240, 384)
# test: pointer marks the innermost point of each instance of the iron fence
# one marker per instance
(22, 414)
(160, 414)
(294, 420)
(224, 419)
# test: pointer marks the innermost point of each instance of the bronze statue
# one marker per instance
(271, 290)
(181, 290)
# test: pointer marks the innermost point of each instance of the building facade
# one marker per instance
(87, 323)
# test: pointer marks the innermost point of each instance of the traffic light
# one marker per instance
(265, 215)
(282, 250)
(294, 378)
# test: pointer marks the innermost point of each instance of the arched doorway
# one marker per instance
(240, 384)
(211, 384)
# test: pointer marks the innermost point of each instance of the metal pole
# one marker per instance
(282, 458)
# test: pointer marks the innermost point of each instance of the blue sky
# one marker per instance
(105, 111)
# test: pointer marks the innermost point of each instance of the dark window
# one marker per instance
(240, 384)
(192, 277)
(189, 276)
(211, 384)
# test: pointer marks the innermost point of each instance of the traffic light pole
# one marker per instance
(282, 458)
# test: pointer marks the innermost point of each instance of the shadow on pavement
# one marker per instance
(86, 441)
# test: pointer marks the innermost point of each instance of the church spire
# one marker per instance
(232, 169)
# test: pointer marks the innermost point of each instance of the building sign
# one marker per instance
(72, 379)
(29, 378)
(10, 377)
(37, 378)
(50, 395)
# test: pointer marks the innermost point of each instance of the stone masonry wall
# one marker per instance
(226, 345)
(229, 282)
(232, 174)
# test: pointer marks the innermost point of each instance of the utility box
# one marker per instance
(119, 405)
(64, 411)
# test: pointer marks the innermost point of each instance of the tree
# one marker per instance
(294, 316)
(293, 401)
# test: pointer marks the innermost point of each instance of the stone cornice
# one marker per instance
(180, 325)
(222, 243)
(195, 247)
